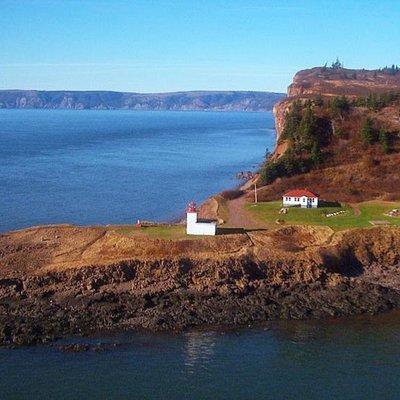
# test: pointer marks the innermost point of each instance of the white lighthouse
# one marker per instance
(196, 226)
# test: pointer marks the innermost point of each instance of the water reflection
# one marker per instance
(199, 350)
(378, 327)
(354, 358)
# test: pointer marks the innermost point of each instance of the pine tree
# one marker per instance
(307, 127)
(319, 101)
(292, 122)
(316, 155)
(373, 102)
(367, 132)
(339, 106)
(337, 64)
(384, 141)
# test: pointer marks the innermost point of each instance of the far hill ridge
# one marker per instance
(107, 100)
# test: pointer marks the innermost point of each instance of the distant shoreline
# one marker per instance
(246, 101)
(135, 110)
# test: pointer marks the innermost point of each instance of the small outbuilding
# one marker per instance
(198, 226)
(300, 197)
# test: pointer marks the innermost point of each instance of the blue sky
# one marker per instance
(149, 46)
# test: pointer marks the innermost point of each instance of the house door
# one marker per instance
(309, 203)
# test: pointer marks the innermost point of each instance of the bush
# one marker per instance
(339, 106)
(340, 133)
(232, 194)
(287, 165)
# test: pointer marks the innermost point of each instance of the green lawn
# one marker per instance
(370, 211)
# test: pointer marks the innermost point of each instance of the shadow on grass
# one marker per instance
(323, 203)
(234, 231)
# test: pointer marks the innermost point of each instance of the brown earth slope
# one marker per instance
(351, 170)
(62, 280)
(342, 81)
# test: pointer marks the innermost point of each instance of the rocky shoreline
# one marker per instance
(82, 280)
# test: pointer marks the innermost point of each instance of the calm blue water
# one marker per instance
(115, 166)
(106, 167)
(348, 359)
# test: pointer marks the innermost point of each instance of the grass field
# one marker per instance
(370, 211)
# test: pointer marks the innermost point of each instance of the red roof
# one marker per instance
(301, 193)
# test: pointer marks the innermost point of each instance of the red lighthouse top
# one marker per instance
(191, 207)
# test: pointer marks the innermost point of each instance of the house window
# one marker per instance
(304, 199)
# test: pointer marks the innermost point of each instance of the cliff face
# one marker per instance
(63, 280)
(349, 168)
(104, 100)
(342, 81)
(328, 82)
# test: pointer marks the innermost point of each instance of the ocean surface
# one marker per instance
(92, 167)
(112, 167)
(357, 358)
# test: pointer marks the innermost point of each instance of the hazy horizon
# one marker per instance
(172, 46)
(142, 93)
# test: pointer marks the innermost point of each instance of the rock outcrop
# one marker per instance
(349, 170)
(342, 82)
(328, 82)
(64, 280)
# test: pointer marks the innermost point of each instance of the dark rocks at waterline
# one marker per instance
(27, 320)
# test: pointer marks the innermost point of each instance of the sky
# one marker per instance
(158, 46)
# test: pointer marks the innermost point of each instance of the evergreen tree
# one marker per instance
(373, 102)
(289, 162)
(316, 155)
(292, 121)
(307, 128)
(339, 106)
(367, 132)
(361, 102)
(269, 173)
(337, 64)
(384, 140)
(319, 101)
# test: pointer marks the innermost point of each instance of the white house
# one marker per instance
(300, 197)
(197, 226)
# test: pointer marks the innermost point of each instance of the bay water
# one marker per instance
(114, 167)
(355, 358)
(109, 167)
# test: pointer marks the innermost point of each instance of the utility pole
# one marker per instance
(255, 193)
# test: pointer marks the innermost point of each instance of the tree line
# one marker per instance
(307, 135)
(304, 152)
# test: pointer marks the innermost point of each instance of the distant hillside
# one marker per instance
(338, 133)
(105, 100)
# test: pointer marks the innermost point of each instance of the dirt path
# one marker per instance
(239, 217)
(355, 208)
